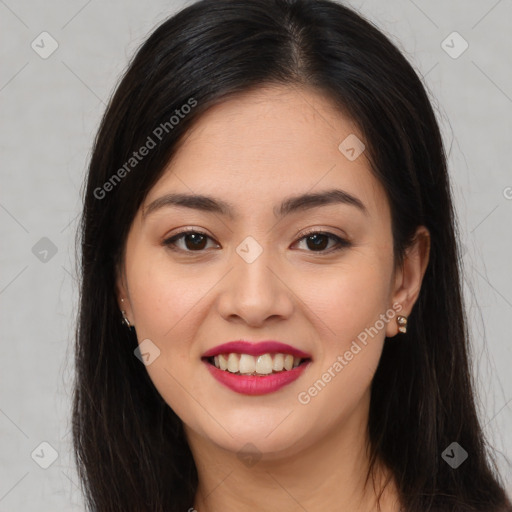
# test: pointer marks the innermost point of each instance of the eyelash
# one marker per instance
(342, 243)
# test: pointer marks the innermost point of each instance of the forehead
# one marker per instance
(267, 144)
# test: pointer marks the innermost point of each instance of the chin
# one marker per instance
(270, 438)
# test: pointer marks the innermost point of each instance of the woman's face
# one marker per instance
(257, 273)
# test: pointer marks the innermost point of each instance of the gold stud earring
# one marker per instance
(123, 312)
(402, 323)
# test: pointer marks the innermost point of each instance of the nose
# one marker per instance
(255, 292)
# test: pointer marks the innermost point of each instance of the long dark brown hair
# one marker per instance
(130, 447)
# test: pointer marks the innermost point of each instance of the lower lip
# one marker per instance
(256, 384)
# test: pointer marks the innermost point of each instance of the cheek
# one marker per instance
(350, 297)
(165, 297)
(349, 306)
(167, 302)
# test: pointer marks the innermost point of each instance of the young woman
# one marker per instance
(271, 314)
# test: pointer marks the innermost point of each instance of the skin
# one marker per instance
(254, 151)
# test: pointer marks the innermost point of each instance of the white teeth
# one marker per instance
(223, 362)
(247, 364)
(278, 363)
(264, 364)
(232, 363)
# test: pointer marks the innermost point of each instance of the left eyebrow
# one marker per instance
(290, 205)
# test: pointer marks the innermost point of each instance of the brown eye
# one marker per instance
(317, 241)
(194, 241)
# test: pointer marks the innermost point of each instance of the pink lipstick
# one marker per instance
(256, 384)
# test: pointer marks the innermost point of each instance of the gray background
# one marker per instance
(50, 109)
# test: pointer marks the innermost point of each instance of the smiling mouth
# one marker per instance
(262, 365)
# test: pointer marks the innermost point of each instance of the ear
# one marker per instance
(408, 278)
(122, 292)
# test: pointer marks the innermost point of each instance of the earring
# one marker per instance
(402, 323)
(123, 312)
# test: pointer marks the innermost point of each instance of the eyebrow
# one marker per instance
(290, 205)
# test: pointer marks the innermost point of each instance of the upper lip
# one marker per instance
(255, 349)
